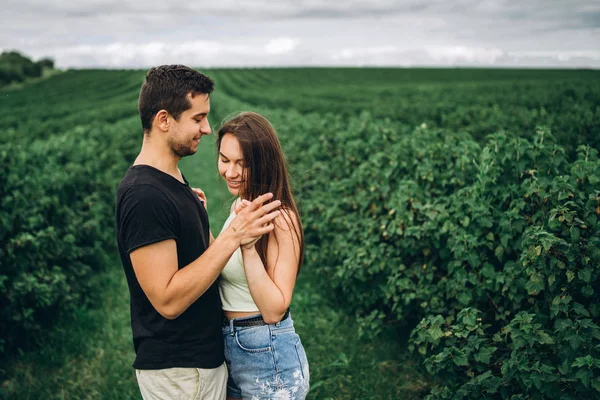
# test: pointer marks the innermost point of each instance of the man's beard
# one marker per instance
(180, 150)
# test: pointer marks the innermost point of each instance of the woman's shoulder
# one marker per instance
(288, 220)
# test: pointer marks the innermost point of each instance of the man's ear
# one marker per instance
(162, 120)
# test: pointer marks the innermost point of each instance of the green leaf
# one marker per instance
(435, 333)
(464, 297)
(535, 284)
(574, 340)
(580, 309)
(504, 240)
(587, 291)
(564, 368)
(584, 375)
(461, 360)
(499, 252)
(544, 338)
(596, 384)
(585, 274)
(484, 354)
(488, 271)
(570, 275)
(473, 259)
(586, 361)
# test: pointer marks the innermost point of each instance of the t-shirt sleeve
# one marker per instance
(146, 217)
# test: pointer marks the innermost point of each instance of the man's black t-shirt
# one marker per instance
(153, 206)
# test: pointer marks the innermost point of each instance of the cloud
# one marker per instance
(353, 53)
(451, 56)
(194, 52)
(463, 54)
(281, 45)
(563, 56)
(266, 9)
(288, 51)
(447, 56)
(138, 33)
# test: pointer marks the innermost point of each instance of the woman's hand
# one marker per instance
(201, 196)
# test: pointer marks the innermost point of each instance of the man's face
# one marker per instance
(192, 125)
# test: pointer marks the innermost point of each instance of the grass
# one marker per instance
(342, 366)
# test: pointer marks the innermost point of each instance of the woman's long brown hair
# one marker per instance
(266, 171)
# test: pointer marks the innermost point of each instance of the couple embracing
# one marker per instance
(210, 316)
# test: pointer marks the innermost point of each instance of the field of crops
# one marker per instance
(458, 207)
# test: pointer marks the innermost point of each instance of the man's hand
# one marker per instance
(254, 219)
(201, 196)
(242, 204)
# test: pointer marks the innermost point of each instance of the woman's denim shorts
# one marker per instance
(265, 362)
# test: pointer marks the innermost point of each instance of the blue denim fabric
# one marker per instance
(265, 362)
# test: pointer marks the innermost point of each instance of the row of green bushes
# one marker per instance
(67, 141)
(56, 219)
(478, 101)
(73, 98)
(495, 246)
(485, 245)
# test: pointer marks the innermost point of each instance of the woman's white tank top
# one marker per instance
(233, 287)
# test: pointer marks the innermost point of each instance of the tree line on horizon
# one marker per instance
(16, 67)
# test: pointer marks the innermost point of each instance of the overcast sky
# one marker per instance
(142, 33)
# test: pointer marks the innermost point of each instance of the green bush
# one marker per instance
(496, 246)
(490, 240)
(45, 63)
(15, 67)
(56, 219)
(539, 336)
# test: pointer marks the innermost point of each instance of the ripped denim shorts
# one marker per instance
(265, 361)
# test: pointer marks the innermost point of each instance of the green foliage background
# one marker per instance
(459, 205)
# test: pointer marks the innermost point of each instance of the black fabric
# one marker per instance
(153, 206)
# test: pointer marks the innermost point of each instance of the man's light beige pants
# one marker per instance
(183, 383)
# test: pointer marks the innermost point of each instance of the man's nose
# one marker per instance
(205, 127)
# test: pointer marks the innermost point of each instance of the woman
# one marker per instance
(264, 354)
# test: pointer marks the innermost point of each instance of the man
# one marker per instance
(163, 238)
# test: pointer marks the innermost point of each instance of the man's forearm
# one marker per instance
(170, 290)
(190, 282)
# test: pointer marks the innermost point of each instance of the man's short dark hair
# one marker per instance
(166, 88)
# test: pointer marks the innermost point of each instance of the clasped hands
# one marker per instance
(253, 218)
